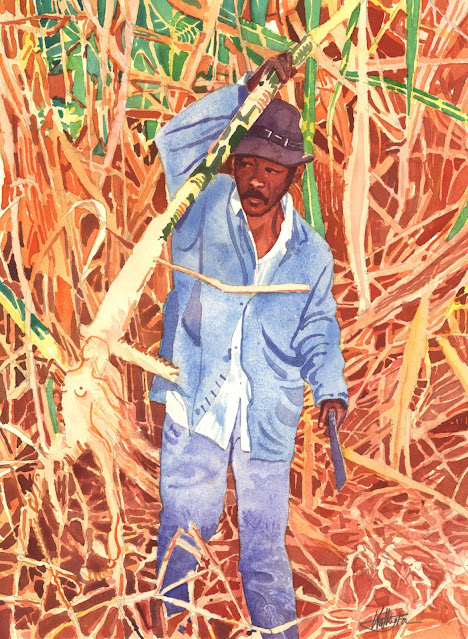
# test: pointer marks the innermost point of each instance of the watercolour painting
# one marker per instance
(87, 264)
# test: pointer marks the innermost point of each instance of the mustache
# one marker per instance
(254, 194)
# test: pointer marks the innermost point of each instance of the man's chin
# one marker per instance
(254, 207)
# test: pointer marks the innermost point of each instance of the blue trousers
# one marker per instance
(193, 486)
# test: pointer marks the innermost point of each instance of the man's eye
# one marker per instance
(270, 170)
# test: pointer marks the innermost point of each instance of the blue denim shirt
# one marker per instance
(288, 338)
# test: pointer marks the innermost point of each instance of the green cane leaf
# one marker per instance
(313, 213)
(40, 335)
(51, 405)
(460, 221)
(412, 27)
(421, 96)
(258, 10)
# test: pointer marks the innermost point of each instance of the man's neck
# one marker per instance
(266, 228)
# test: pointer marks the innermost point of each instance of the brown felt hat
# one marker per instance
(276, 136)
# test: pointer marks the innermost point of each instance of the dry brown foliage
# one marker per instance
(396, 534)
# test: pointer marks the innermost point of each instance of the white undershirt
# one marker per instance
(234, 395)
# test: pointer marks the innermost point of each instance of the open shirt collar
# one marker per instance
(286, 226)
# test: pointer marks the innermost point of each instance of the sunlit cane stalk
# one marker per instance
(339, 85)
(357, 176)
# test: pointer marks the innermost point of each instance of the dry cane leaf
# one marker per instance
(357, 176)
(457, 365)
(413, 355)
(100, 212)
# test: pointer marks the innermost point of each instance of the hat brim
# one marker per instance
(259, 147)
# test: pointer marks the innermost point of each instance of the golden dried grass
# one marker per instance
(400, 537)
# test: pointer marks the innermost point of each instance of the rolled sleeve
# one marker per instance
(317, 341)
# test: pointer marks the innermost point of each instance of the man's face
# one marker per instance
(261, 183)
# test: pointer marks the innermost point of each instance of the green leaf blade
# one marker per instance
(460, 221)
(412, 28)
(258, 11)
(313, 213)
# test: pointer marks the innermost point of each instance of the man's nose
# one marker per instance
(257, 181)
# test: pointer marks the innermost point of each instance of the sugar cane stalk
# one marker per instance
(120, 301)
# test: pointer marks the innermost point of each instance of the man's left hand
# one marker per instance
(282, 64)
(336, 405)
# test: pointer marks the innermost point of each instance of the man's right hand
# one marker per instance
(338, 406)
(282, 64)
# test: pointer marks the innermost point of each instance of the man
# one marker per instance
(242, 358)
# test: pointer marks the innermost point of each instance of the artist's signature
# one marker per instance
(385, 619)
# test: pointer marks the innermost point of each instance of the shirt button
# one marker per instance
(197, 411)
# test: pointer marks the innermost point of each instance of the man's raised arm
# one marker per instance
(184, 141)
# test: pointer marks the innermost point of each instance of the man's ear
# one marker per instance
(299, 173)
(228, 166)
